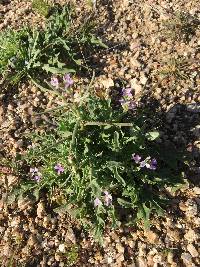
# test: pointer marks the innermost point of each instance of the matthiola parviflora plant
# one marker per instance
(101, 157)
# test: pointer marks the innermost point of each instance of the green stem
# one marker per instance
(98, 123)
(73, 141)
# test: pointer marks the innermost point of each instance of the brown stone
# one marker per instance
(151, 236)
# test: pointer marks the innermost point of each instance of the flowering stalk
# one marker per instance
(98, 123)
(126, 101)
(35, 174)
(148, 162)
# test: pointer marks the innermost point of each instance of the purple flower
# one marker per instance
(37, 178)
(54, 82)
(153, 164)
(59, 168)
(143, 164)
(126, 92)
(97, 202)
(67, 80)
(136, 158)
(107, 198)
(127, 105)
(131, 105)
(35, 175)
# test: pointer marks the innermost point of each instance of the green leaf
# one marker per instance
(79, 62)
(152, 135)
(130, 139)
(66, 134)
(97, 41)
(100, 221)
(36, 64)
(124, 203)
(59, 40)
(112, 215)
(112, 163)
(116, 140)
(144, 214)
(107, 127)
(118, 177)
(158, 208)
(55, 70)
(60, 64)
(96, 189)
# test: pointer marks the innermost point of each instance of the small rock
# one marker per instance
(12, 180)
(196, 190)
(131, 243)
(197, 221)
(98, 256)
(109, 260)
(32, 241)
(151, 237)
(170, 258)
(191, 236)
(136, 86)
(187, 258)
(150, 261)
(131, 265)
(51, 244)
(173, 234)
(192, 208)
(119, 248)
(40, 209)
(61, 248)
(24, 203)
(70, 235)
(158, 259)
(141, 262)
(182, 206)
(57, 257)
(192, 250)
(143, 79)
(107, 83)
(15, 222)
(2, 229)
(142, 249)
(119, 258)
(7, 250)
(134, 63)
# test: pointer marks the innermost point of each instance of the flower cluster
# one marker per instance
(35, 174)
(107, 200)
(67, 80)
(54, 82)
(59, 169)
(148, 162)
(127, 101)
